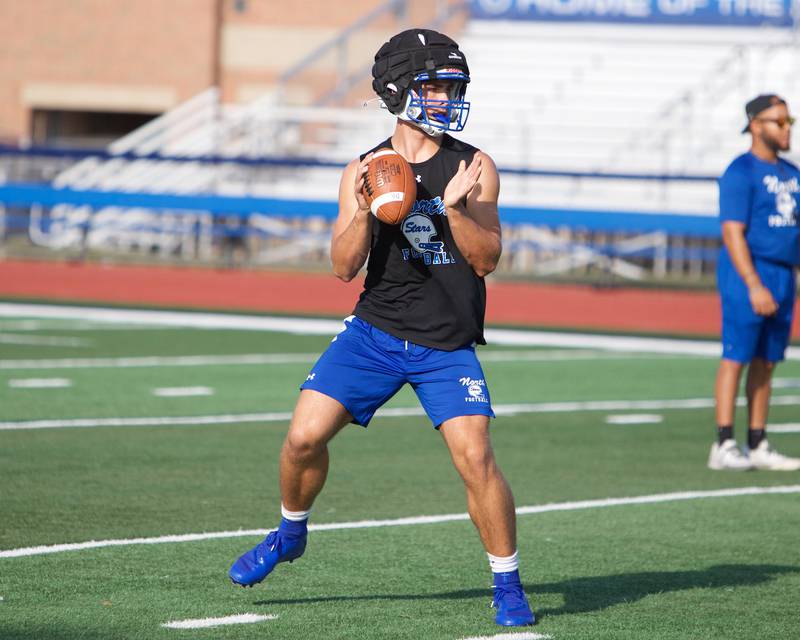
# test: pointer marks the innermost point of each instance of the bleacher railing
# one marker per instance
(339, 46)
(291, 230)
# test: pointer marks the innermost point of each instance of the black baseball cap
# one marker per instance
(759, 104)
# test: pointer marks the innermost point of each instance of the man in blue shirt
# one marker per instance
(756, 278)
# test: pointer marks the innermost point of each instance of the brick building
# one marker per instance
(84, 72)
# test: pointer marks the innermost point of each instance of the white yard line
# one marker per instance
(161, 361)
(627, 344)
(786, 383)
(29, 325)
(305, 326)
(40, 383)
(69, 325)
(182, 392)
(787, 427)
(627, 405)
(308, 326)
(500, 410)
(548, 355)
(161, 421)
(634, 418)
(520, 635)
(205, 623)
(410, 521)
(43, 341)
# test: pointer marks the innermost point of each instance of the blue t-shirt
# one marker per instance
(763, 196)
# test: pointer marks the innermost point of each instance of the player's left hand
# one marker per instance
(762, 301)
(463, 182)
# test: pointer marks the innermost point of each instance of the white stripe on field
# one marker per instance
(399, 412)
(175, 421)
(634, 418)
(414, 520)
(522, 635)
(39, 383)
(68, 325)
(182, 392)
(541, 355)
(307, 326)
(788, 427)
(786, 383)
(29, 325)
(205, 623)
(161, 361)
(43, 341)
(627, 344)
(625, 405)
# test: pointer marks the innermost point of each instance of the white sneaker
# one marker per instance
(728, 456)
(764, 457)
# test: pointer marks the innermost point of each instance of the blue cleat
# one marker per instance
(510, 602)
(258, 563)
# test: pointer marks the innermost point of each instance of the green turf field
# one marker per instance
(704, 566)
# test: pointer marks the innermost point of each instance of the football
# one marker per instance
(389, 186)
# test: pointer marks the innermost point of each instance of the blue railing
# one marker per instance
(16, 195)
(291, 161)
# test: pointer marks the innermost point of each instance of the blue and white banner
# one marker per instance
(743, 13)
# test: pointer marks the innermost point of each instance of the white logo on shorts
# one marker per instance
(475, 389)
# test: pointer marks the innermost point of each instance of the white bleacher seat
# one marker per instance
(550, 96)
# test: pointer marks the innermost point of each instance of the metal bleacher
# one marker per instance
(619, 98)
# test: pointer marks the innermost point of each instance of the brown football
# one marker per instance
(389, 186)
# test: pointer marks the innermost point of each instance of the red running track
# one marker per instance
(523, 304)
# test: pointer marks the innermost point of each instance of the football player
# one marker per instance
(756, 279)
(419, 317)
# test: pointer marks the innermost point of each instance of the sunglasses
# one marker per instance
(781, 122)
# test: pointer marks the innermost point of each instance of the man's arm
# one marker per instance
(352, 231)
(760, 297)
(476, 226)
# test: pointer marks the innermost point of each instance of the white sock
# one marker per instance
(500, 564)
(294, 516)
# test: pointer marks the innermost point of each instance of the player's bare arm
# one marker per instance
(476, 226)
(760, 297)
(352, 231)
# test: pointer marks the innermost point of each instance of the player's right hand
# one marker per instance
(762, 301)
(359, 185)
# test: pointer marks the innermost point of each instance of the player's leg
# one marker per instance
(725, 453)
(489, 499)
(348, 383)
(771, 350)
(759, 388)
(303, 469)
(726, 390)
(452, 389)
(491, 508)
(304, 455)
(741, 329)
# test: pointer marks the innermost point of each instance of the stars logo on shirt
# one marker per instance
(419, 178)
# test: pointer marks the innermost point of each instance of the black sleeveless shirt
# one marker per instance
(418, 286)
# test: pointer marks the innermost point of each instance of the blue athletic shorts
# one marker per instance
(745, 334)
(364, 367)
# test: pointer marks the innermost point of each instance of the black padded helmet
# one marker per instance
(415, 55)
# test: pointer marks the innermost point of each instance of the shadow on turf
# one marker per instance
(584, 595)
